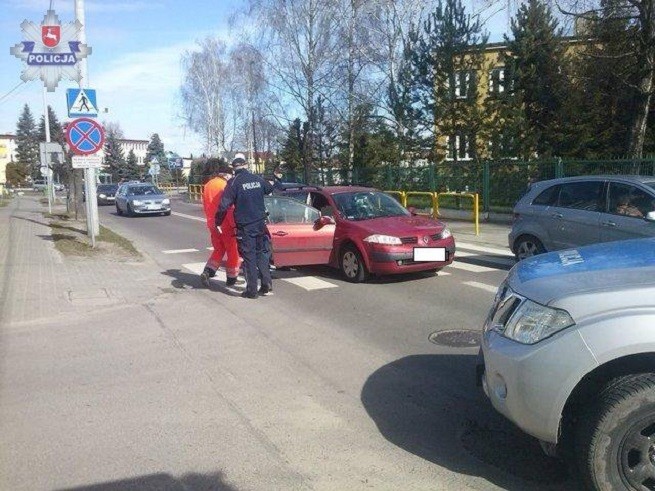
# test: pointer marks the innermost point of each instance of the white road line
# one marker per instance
(190, 217)
(482, 286)
(443, 273)
(179, 251)
(489, 259)
(210, 248)
(479, 248)
(310, 283)
(473, 268)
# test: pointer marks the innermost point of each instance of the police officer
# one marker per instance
(246, 192)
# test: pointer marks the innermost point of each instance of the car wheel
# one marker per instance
(352, 265)
(130, 212)
(118, 210)
(167, 213)
(615, 439)
(528, 246)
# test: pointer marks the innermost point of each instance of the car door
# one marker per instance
(625, 216)
(574, 220)
(296, 238)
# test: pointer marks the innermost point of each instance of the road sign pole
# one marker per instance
(48, 176)
(90, 179)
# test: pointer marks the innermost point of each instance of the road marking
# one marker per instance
(474, 268)
(310, 283)
(190, 217)
(306, 282)
(479, 248)
(179, 251)
(482, 286)
(210, 248)
(489, 259)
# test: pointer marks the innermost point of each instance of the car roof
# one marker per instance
(347, 189)
(602, 177)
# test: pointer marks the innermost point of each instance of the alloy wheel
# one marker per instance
(350, 264)
(637, 454)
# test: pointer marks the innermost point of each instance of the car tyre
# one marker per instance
(167, 213)
(528, 246)
(615, 438)
(352, 265)
(118, 210)
(130, 212)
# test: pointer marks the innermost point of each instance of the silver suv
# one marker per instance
(576, 211)
(568, 355)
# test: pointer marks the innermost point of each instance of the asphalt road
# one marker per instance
(368, 351)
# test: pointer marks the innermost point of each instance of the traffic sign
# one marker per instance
(154, 169)
(45, 171)
(85, 136)
(81, 102)
(87, 161)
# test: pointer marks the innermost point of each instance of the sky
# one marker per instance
(135, 65)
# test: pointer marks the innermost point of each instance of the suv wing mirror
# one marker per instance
(650, 216)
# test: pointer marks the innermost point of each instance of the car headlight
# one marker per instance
(101, 196)
(532, 322)
(137, 202)
(383, 239)
(445, 233)
(166, 201)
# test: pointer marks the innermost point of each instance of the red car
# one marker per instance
(360, 231)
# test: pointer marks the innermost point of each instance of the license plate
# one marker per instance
(431, 254)
(154, 207)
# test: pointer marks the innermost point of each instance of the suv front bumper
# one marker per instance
(529, 384)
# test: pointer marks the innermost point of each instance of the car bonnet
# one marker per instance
(600, 267)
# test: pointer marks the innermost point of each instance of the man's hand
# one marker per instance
(219, 229)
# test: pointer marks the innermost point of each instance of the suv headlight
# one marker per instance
(532, 322)
(137, 202)
(383, 239)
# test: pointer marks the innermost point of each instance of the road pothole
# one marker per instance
(511, 451)
(465, 338)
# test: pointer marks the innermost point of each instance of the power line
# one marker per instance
(2, 99)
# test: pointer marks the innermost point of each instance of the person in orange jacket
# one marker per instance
(224, 242)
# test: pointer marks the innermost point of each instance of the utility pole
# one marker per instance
(93, 225)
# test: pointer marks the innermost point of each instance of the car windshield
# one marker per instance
(142, 190)
(365, 205)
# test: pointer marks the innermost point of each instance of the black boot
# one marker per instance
(231, 281)
(205, 275)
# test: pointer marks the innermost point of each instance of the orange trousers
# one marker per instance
(225, 243)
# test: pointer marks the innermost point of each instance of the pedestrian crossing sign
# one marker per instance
(81, 103)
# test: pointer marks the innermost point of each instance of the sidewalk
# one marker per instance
(37, 283)
(492, 235)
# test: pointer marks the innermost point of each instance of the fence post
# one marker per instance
(486, 184)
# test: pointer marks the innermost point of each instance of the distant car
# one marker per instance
(568, 355)
(106, 194)
(374, 234)
(575, 211)
(41, 185)
(139, 198)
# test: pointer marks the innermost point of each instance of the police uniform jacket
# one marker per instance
(246, 192)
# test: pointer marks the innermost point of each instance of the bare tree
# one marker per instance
(298, 41)
(206, 95)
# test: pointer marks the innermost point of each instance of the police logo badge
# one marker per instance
(50, 35)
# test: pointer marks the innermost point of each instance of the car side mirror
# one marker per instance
(323, 221)
(412, 211)
(650, 216)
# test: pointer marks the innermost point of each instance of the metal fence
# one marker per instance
(500, 183)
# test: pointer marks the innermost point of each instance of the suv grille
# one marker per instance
(409, 240)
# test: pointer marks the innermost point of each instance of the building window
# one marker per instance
(502, 146)
(464, 81)
(459, 147)
(500, 81)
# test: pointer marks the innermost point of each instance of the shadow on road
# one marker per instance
(429, 405)
(162, 482)
(188, 281)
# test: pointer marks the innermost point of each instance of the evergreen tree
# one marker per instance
(292, 146)
(115, 157)
(156, 151)
(132, 170)
(537, 61)
(27, 144)
(447, 57)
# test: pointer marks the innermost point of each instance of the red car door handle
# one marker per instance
(280, 233)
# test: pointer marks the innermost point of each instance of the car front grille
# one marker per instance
(409, 240)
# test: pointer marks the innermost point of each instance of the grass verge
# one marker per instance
(71, 240)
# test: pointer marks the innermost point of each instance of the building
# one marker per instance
(140, 148)
(7, 155)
